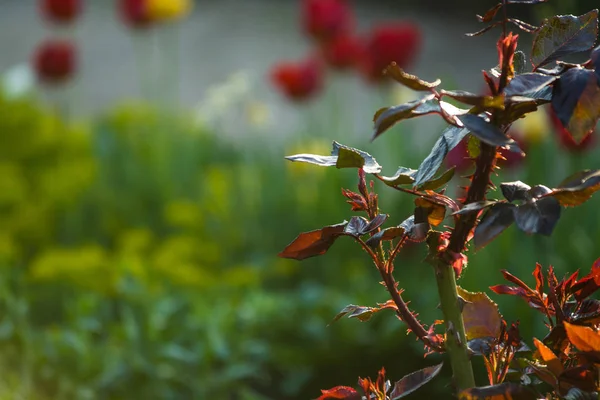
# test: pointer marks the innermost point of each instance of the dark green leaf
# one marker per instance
(562, 35)
(385, 118)
(409, 80)
(476, 206)
(499, 217)
(487, 132)
(360, 312)
(313, 243)
(524, 84)
(512, 391)
(414, 381)
(515, 191)
(490, 14)
(595, 57)
(385, 234)
(439, 181)
(539, 216)
(576, 102)
(404, 176)
(450, 138)
(519, 62)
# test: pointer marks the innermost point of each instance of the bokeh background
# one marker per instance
(144, 195)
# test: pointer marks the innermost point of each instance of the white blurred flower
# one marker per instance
(18, 81)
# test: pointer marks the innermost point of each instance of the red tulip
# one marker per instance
(343, 52)
(55, 61)
(298, 80)
(326, 19)
(134, 13)
(60, 11)
(399, 42)
(566, 140)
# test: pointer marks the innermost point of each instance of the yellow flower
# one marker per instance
(165, 10)
(534, 128)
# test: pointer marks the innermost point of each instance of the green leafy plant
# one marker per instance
(473, 325)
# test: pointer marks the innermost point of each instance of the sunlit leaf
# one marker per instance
(538, 216)
(487, 132)
(313, 243)
(549, 358)
(498, 217)
(476, 206)
(341, 157)
(515, 190)
(403, 176)
(472, 99)
(524, 26)
(438, 182)
(414, 381)
(340, 392)
(385, 118)
(352, 311)
(435, 213)
(409, 80)
(525, 84)
(450, 138)
(576, 102)
(480, 314)
(584, 338)
(577, 188)
(489, 14)
(482, 31)
(563, 35)
(503, 391)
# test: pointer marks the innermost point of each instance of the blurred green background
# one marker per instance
(138, 247)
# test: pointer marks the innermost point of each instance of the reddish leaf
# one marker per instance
(585, 339)
(340, 392)
(385, 234)
(503, 391)
(551, 360)
(414, 381)
(577, 188)
(480, 314)
(434, 212)
(490, 14)
(313, 243)
(582, 377)
(409, 80)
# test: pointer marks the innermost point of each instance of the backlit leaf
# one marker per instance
(414, 381)
(490, 14)
(472, 99)
(480, 314)
(515, 191)
(520, 62)
(352, 311)
(385, 118)
(576, 102)
(450, 138)
(487, 132)
(562, 35)
(438, 182)
(385, 234)
(524, 84)
(409, 80)
(577, 188)
(498, 217)
(584, 338)
(404, 176)
(313, 243)
(435, 212)
(503, 391)
(340, 392)
(549, 358)
(538, 216)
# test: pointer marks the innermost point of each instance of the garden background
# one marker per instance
(144, 195)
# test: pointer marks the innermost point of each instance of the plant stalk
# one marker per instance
(456, 340)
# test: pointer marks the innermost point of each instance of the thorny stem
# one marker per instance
(403, 311)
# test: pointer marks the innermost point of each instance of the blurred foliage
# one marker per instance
(138, 260)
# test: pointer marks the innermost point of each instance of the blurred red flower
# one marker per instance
(459, 157)
(60, 11)
(55, 61)
(134, 13)
(565, 139)
(325, 19)
(399, 42)
(299, 80)
(512, 159)
(343, 52)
